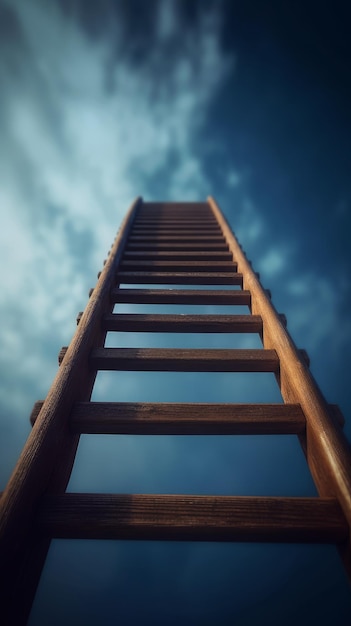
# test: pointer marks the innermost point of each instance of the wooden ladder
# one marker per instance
(170, 244)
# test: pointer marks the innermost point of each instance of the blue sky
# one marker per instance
(175, 100)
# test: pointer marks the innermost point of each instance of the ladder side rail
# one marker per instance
(328, 450)
(48, 455)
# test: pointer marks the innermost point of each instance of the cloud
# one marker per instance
(89, 118)
(84, 130)
(315, 312)
(250, 226)
(233, 179)
(273, 262)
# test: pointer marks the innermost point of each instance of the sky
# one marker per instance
(176, 100)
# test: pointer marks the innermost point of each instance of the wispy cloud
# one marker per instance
(274, 261)
(249, 223)
(315, 306)
(84, 130)
(88, 122)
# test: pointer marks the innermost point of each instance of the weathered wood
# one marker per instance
(177, 266)
(173, 208)
(173, 223)
(337, 414)
(173, 238)
(180, 278)
(49, 442)
(175, 216)
(182, 296)
(192, 518)
(174, 247)
(328, 451)
(187, 226)
(283, 319)
(304, 356)
(133, 322)
(176, 232)
(186, 419)
(197, 216)
(193, 213)
(244, 419)
(62, 354)
(176, 255)
(184, 360)
(182, 220)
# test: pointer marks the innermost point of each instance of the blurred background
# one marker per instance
(176, 100)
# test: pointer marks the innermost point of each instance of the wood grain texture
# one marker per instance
(51, 444)
(244, 419)
(133, 322)
(158, 233)
(192, 518)
(182, 296)
(186, 265)
(155, 239)
(180, 227)
(162, 237)
(176, 246)
(177, 255)
(172, 222)
(328, 451)
(186, 419)
(184, 360)
(179, 278)
(173, 208)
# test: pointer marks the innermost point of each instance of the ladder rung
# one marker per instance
(158, 218)
(178, 214)
(175, 208)
(176, 239)
(173, 223)
(182, 296)
(186, 419)
(192, 518)
(175, 232)
(191, 226)
(179, 266)
(174, 215)
(181, 278)
(174, 247)
(182, 418)
(157, 232)
(200, 218)
(184, 360)
(177, 255)
(132, 322)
